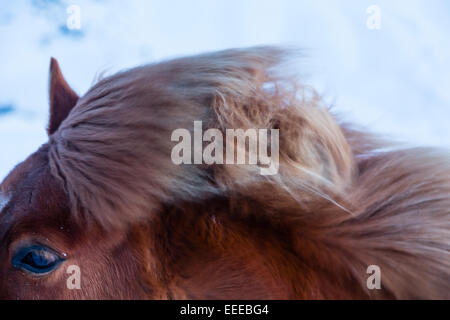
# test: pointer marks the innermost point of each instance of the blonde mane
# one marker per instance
(113, 150)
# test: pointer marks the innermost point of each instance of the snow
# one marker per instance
(395, 80)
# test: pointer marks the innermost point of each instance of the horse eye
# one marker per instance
(36, 259)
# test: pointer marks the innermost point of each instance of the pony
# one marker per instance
(101, 212)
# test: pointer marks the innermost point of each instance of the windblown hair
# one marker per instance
(352, 202)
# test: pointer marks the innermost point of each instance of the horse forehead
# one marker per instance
(31, 177)
(4, 200)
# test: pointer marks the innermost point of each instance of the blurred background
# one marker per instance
(382, 64)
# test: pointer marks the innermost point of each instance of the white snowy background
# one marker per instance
(395, 80)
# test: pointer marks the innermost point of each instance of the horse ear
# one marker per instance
(62, 97)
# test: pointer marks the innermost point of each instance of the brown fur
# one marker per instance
(141, 227)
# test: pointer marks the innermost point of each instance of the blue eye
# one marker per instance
(36, 259)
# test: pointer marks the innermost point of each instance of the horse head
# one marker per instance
(102, 211)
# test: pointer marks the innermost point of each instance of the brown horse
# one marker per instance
(103, 195)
